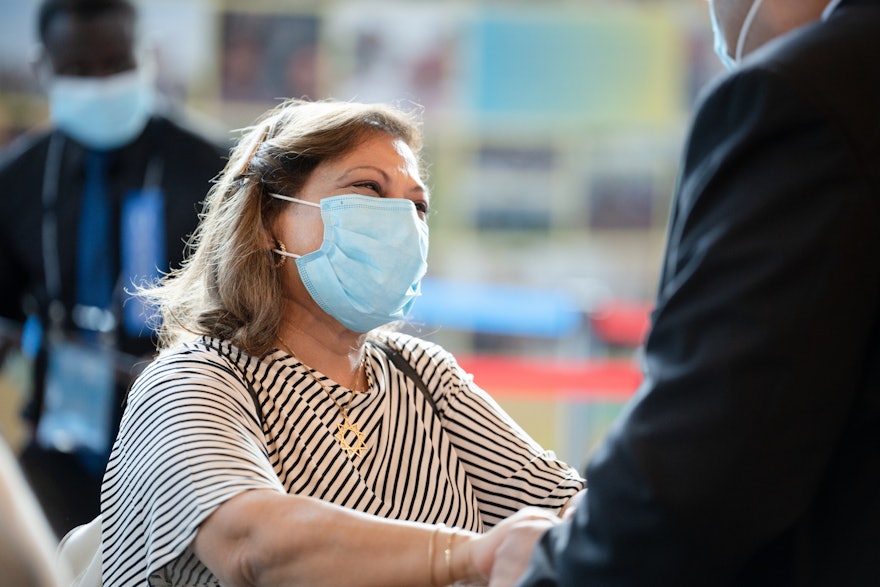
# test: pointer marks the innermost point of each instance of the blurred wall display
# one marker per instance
(17, 45)
(21, 107)
(567, 65)
(509, 186)
(395, 52)
(621, 201)
(266, 57)
(182, 47)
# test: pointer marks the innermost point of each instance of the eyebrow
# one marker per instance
(348, 172)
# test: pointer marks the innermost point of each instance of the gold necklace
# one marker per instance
(347, 427)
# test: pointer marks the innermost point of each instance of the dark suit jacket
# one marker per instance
(751, 454)
(188, 162)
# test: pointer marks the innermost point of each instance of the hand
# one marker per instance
(568, 512)
(503, 553)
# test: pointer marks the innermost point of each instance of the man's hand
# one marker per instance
(502, 554)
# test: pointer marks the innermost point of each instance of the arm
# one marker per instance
(506, 467)
(266, 538)
(753, 362)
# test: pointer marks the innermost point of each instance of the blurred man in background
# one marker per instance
(751, 454)
(102, 201)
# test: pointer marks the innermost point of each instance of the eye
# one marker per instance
(369, 185)
(422, 207)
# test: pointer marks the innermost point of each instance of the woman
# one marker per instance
(282, 437)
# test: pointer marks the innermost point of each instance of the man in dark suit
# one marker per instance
(751, 454)
(103, 200)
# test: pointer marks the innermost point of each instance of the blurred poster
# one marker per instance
(510, 187)
(394, 52)
(621, 201)
(268, 57)
(567, 65)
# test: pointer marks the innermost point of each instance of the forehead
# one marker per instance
(380, 153)
(104, 36)
(380, 148)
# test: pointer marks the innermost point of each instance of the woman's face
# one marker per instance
(382, 166)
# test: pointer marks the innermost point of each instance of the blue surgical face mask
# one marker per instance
(102, 113)
(370, 265)
(721, 48)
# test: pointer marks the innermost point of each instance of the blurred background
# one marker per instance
(553, 131)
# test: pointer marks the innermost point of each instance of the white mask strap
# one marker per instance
(286, 254)
(295, 200)
(746, 27)
(282, 250)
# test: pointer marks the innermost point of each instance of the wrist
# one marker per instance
(461, 560)
(450, 557)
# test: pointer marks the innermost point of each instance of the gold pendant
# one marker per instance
(360, 447)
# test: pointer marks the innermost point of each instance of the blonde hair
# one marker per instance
(229, 286)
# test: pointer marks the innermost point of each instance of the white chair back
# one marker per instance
(81, 550)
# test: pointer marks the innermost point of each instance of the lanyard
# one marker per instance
(100, 319)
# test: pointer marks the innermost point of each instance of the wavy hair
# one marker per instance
(228, 286)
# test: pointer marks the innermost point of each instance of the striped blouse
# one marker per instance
(206, 422)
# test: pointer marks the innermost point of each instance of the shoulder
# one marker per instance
(831, 64)
(190, 161)
(209, 353)
(190, 370)
(436, 366)
(189, 157)
(845, 41)
(413, 349)
(25, 151)
(820, 70)
(22, 173)
(194, 130)
(796, 101)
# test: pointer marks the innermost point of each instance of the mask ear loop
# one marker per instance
(746, 27)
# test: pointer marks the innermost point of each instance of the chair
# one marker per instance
(81, 550)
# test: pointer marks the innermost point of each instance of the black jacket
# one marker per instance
(188, 163)
(751, 454)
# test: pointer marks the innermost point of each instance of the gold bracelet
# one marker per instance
(447, 556)
(431, 552)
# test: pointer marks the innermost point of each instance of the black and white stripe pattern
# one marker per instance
(190, 440)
